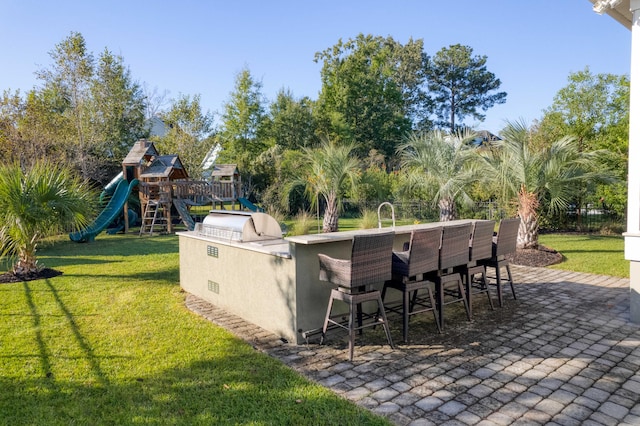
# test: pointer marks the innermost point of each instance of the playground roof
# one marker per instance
(220, 170)
(141, 149)
(165, 166)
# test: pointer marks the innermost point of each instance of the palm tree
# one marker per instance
(531, 175)
(440, 160)
(332, 169)
(41, 202)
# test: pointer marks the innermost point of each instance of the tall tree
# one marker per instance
(367, 91)
(89, 111)
(31, 128)
(440, 161)
(189, 132)
(586, 108)
(289, 126)
(242, 122)
(594, 108)
(117, 108)
(12, 109)
(242, 129)
(45, 130)
(69, 79)
(410, 75)
(460, 86)
(530, 175)
(290, 123)
(43, 201)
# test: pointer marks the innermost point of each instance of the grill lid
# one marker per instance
(239, 226)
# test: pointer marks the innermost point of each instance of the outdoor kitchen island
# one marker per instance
(270, 282)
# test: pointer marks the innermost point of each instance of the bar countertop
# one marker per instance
(348, 235)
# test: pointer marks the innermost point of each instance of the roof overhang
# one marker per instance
(619, 10)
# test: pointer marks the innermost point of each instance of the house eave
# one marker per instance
(620, 10)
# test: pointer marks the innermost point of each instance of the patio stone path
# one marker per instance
(563, 353)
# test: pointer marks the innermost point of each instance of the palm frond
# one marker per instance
(42, 201)
(444, 162)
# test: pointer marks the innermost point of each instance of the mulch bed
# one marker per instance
(10, 277)
(543, 256)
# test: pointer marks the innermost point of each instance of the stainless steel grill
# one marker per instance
(239, 226)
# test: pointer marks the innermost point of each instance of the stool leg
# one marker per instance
(352, 331)
(499, 284)
(384, 292)
(385, 324)
(405, 314)
(440, 290)
(469, 286)
(467, 306)
(485, 286)
(326, 318)
(513, 290)
(414, 301)
(435, 310)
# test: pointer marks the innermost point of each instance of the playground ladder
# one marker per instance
(153, 217)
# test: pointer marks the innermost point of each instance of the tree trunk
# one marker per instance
(452, 112)
(27, 263)
(527, 210)
(447, 209)
(528, 232)
(330, 220)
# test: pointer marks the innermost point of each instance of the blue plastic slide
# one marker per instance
(108, 215)
(249, 205)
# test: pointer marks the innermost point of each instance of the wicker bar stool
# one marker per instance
(409, 276)
(370, 265)
(480, 247)
(454, 252)
(504, 243)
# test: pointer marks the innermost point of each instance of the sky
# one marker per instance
(198, 47)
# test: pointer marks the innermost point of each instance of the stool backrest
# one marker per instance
(481, 243)
(454, 250)
(507, 238)
(371, 258)
(424, 248)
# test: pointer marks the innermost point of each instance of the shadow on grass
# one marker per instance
(217, 391)
(113, 245)
(166, 276)
(592, 252)
(111, 250)
(229, 384)
(82, 342)
(60, 261)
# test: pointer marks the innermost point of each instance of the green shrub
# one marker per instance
(369, 219)
(302, 224)
(613, 228)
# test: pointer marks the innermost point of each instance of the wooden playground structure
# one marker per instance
(166, 192)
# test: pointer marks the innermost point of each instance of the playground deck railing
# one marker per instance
(193, 191)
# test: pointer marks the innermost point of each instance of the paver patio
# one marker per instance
(564, 353)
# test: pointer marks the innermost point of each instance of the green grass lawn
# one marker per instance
(595, 254)
(111, 342)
